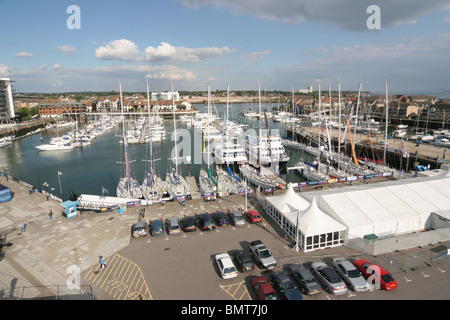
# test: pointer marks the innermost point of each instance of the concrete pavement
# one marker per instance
(37, 263)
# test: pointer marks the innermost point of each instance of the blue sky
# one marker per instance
(282, 44)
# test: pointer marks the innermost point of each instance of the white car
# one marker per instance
(226, 266)
(350, 274)
(329, 278)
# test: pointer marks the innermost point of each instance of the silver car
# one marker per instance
(329, 278)
(350, 274)
(237, 218)
(173, 226)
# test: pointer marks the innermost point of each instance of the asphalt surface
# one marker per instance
(38, 264)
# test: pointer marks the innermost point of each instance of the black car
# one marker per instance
(205, 222)
(188, 224)
(281, 281)
(244, 261)
(221, 218)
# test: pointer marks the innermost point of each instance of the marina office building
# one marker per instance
(6, 100)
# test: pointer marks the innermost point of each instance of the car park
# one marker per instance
(329, 278)
(173, 225)
(253, 216)
(139, 229)
(307, 283)
(188, 224)
(350, 274)
(156, 227)
(220, 218)
(285, 286)
(237, 218)
(226, 266)
(263, 288)
(205, 222)
(244, 261)
(376, 275)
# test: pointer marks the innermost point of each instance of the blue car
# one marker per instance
(156, 228)
(285, 286)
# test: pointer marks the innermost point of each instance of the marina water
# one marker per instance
(96, 167)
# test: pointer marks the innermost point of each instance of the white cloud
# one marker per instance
(127, 50)
(4, 70)
(122, 49)
(254, 56)
(24, 55)
(66, 48)
(347, 14)
(40, 68)
(57, 66)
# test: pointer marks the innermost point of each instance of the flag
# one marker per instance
(104, 191)
(59, 173)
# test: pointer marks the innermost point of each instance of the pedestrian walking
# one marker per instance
(102, 262)
(23, 226)
(50, 215)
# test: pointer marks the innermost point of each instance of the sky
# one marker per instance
(47, 46)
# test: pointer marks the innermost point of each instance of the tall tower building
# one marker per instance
(6, 100)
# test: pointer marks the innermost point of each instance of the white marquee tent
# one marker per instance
(321, 218)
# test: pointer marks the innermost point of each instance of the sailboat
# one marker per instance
(153, 188)
(128, 187)
(176, 185)
(229, 152)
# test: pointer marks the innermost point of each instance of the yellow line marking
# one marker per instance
(238, 287)
(122, 279)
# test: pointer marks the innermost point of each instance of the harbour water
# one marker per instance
(92, 168)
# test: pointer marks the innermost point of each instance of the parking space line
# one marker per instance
(122, 279)
(237, 288)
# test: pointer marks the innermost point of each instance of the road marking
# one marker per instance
(425, 275)
(237, 290)
(442, 271)
(122, 279)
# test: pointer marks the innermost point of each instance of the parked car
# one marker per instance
(156, 227)
(221, 218)
(188, 224)
(139, 229)
(173, 225)
(329, 278)
(350, 274)
(376, 274)
(226, 266)
(253, 216)
(308, 284)
(205, 222)
(287, 288)
(237, 218)
(263, 288)
(244, 261)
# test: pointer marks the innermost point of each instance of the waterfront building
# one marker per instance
(6, 100)
(52, 109)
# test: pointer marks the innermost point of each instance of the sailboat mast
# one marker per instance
(386, 129)
(125, 141)
(339, 132)
(175, 132)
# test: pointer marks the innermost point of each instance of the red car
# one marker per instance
(263, 288)
(253, 216)
(377, 274)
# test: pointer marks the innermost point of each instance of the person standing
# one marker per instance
(50, 215)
